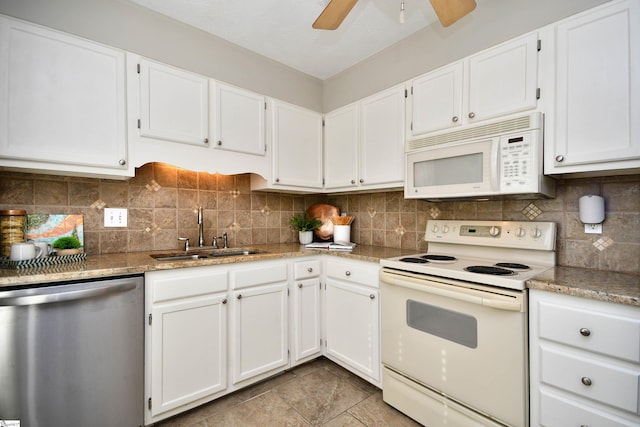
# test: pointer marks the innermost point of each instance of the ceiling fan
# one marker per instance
(448, 11)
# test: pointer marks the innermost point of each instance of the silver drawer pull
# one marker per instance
(347, 273)
(239, 296)
(585, 332)
(586, 381)
(224, 301)
(372, 296)
(300, 285)
(310, 269)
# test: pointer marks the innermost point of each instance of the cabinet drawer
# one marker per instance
(258, 275)
(556, 411)
(601, 332)
(355, 273)
(183, 283)
(610, 384)
(306, 269)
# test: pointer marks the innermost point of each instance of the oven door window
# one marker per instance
(447, 324)
(466, 169)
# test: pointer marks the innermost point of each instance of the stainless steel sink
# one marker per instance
(215, 253)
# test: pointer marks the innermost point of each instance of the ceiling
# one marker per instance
(281, 29)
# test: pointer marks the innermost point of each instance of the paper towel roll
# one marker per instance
(591, 209)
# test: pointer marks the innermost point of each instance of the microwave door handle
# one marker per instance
(421, 286)
(495, 166)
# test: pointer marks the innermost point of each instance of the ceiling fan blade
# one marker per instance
(449, 11)
(333, 14)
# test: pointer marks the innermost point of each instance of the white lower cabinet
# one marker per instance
(306, 326)
(352, 317)
(259, 319)
(585, 362)
(185, 340)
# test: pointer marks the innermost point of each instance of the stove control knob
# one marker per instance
(435, 228)
(445, 228)
(494, 231)
(536, 233)
(521, 232)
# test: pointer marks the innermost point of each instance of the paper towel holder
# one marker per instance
(591, 213)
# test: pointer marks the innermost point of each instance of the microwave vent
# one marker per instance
(496, 128)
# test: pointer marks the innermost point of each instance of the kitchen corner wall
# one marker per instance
(162, 203)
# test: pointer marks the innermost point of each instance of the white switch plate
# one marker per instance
(115, 217)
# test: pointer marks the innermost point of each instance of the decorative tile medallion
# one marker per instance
(531, 211)
(153, 185)
(400, 230)
(434, 213)
(266, 210)
(98, 204)
(603, 243)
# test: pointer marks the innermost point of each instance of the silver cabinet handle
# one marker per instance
(361, 180)
(239, 296)
(277, 179)
(372, 296)
(219, 143)
(310, 269)
(206, 140)
(300, 285)
(347, 273)
(586, 381)
(122, 162)
(585, 332)
(224, 301)
(353, 181)
(559, 158)
(472, 115)
(455, 119)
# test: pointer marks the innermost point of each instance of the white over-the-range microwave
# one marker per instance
(500, 159)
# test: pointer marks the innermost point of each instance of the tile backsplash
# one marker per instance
(162, 203)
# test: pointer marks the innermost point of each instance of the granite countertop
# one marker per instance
(119, 264)
(607, 286)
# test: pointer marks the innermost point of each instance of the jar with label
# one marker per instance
(12, 228)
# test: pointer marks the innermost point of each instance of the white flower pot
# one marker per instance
(305, 237)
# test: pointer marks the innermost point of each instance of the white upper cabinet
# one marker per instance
(597, 108)
(62, 103)
(382, 139)
(239, 120)
(503, 79)
(174, 104)
(496, 82)
(341, 148)
(437, 100)
(297, 147)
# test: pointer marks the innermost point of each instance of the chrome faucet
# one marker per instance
(200, 227)
(225, 241)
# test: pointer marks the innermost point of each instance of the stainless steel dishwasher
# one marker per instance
(72, 354)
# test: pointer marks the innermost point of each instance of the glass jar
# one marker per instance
(12, 228)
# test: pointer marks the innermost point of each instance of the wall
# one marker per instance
(491, 23)
(124, 25)
(162, 204)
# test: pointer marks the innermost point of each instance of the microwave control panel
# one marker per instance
(518, 162)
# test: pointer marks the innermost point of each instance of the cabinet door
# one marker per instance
(62, 101)
(174, 104)
(436, 100)
(306, 319)
(352, 332)
(503, 79)
(189, 350)
(259, 330)
(341, 135)
(239, 124)
(297, 146)
(382, 138)
(598, 88)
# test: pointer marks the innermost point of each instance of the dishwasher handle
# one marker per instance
(27, 297)
(486, 299)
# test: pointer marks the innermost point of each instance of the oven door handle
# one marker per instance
(461, 295)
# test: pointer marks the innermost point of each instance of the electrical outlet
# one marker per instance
(115, 217)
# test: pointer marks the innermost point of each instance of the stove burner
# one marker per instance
(414, 260)
(487, 269)
(439, 258)
(514, 265)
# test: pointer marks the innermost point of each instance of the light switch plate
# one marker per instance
(115, 217)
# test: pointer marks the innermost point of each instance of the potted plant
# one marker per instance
(67, 245)
(305, 225)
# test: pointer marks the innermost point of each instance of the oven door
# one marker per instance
(453, 170)
(462, 340)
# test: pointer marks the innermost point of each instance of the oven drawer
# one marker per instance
(608, 383)
(306, 269)
(600, 332)
(367, 275)
(556, 411)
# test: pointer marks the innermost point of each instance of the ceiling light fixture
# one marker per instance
(402, 12)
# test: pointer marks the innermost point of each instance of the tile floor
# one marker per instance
(318, 393)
